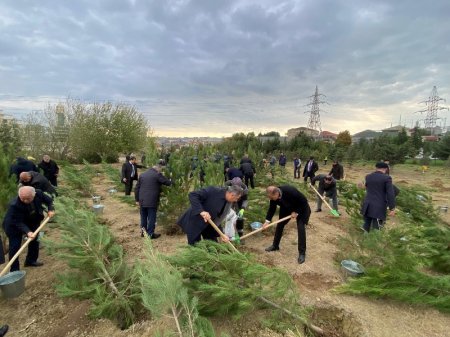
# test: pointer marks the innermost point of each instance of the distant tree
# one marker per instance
(442, 149)
(11, 136)
(343, 139)
(402, 137)
(271, 134)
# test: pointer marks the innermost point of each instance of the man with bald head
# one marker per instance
(36, 180)
(292, 202)
(24, 216)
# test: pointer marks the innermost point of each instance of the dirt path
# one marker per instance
(53, 316)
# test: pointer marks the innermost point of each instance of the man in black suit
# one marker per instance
(210, 203)
(248, 169)
(22, 165)
(379, 196)
(327, 186)
(292, 202)
(310, 169)
(147, 192)
(337, 170)
(24, 216)
(38, 181)
(50, 169)
(129, 174)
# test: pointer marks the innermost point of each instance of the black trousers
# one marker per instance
(249, 177)
(311, 175)
(301, 231)
(207, 234)
(297, 172)
(128, 187)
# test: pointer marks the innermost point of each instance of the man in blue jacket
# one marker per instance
(24, 216)
(379, 196)
(147, 193)
(210, 203)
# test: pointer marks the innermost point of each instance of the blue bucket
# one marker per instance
(352, 268)
(256, 225)
(13, 284)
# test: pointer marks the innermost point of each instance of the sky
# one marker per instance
(217, 67)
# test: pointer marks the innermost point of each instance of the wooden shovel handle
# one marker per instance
(25, 245)
(264, 228)
(217, 229)
(320, 196)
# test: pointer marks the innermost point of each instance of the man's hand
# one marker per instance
(51, 214)
(225, 238)
(392, 212)
(31, 235)
(124, 180)
(266, 223)
(206, 216)
(294, 215)
(137, 203)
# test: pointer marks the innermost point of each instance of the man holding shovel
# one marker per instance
(24, 216)
(327, 186)
(292, 202)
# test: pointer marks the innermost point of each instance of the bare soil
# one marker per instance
(40, 312)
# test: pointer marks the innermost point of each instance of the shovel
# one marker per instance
(25, 245)
(264, 228)
(333, 211)
(223, 236)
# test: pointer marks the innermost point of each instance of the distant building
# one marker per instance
(328, 136)
(292, 133)
(366, 134)
(432, 138)
(395, 130)
(6, 118)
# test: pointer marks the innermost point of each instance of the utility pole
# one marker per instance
(432, 108)
(314, 113)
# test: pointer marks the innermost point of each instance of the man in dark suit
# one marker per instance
(129, 174)
(50, 169)
(210, 203)
(38, 181)
(337, 170)
(147, 192)
(248, 169)
(310, 169)
(292, 202)
(234, 172)
(24, 216)
(22, 165)
(379, 196)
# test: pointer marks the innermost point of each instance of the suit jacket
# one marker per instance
(210, 199)
(148, 188)
(379, 195)
(234, 172)
(20, 216)
(330, 189)
(337, 171)
(49, 169)
(127, 170)
(39, 182)
(314, 168)
(22, 165)
(292, 200)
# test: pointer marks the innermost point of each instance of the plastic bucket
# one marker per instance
(256, 225)
(98, 209)
(351, 268)
(13, 284)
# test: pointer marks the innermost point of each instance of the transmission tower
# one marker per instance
(314, 113)
(432, 108)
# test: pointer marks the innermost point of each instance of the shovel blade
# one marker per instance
(335, 213)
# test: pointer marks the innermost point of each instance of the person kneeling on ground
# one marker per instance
(292, 202)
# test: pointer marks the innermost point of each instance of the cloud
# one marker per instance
(218, 67)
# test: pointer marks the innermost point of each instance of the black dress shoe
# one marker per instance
(34, 264)
(301, 258)
(4, 330)
(155, 236)
(272, 248)
(318, 210)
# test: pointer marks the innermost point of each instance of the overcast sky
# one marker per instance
(215, 67)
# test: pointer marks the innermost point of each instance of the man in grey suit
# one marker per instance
(210, 203)
(147, 192)
(379, 196)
